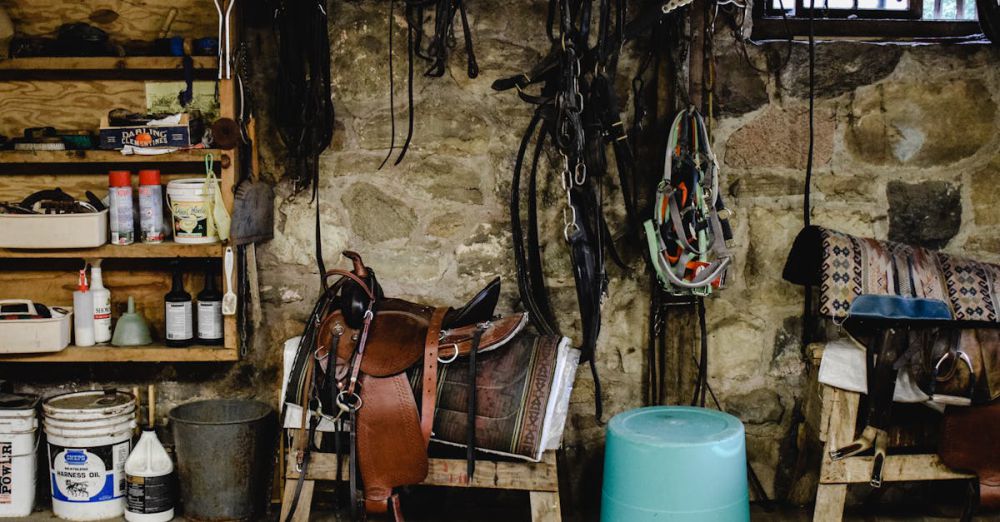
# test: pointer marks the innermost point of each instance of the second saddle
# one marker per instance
(361, 346)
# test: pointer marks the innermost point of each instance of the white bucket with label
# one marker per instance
(89, 437)
(190, 202)
(18, 454)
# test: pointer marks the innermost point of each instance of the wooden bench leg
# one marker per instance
(830, 499)
(545, 506)
(305, 500)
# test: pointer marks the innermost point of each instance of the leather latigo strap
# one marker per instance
(429, 387)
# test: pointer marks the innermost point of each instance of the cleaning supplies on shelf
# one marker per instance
(189, 201)
(120, 197)
(179, 317)
(28, 327)
(102, 304)
(83, 305)
(150, 207)
(131, 329)
(210, 311)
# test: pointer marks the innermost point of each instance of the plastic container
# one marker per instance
(120, 207)
(239, 433)
(89, 439)
(37, 335)
(51, 231)
(18, 454)
(83, 321)
(102, 304)
(190, 202)
(675, 463)
(150, 207)
(149, 471)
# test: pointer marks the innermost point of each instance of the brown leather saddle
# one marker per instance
(364, 345)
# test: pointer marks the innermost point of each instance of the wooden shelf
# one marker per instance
(165, 250)
(104, 156)
(111, 354)
(111, 67)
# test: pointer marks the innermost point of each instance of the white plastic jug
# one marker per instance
(149, 496)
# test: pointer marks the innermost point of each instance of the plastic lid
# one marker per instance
(119, 178)
(17, 401)
(90, 400)
(149, 177)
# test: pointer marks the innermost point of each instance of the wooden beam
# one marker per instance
(36, 157)
(166, 250)
(523, 476)
(113, 354)
(110, 68)
(898, 468)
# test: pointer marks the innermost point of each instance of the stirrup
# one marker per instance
(861, 444)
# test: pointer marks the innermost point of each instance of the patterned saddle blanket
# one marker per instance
(844, 267)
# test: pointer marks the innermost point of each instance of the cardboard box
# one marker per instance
(151, 136)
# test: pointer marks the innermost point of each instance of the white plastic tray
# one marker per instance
(36, 335)
(51, 231)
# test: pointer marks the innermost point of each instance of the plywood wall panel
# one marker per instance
(66, 105)
(137, 19)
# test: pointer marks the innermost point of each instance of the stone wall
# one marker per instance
(905, 147)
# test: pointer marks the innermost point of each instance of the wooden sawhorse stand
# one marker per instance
(540, 480)
(838, 419)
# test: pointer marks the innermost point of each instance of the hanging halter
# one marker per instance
(688, 233)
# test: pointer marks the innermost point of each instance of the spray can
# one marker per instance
(149, 496)
(83, 312)
(120, 211)
(150, 207)
(102, 304)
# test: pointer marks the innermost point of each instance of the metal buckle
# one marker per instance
(349, 407)
(453, 357)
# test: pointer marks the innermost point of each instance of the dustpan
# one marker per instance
(253, 204)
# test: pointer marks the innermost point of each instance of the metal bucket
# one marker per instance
(224, 457)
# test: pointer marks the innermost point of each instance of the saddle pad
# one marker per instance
(845, 267)
(970, 441)
(514, 388)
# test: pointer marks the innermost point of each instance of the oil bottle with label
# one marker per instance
(178, 312)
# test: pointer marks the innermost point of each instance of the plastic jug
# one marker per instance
(150, 491)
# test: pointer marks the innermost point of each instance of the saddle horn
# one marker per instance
(354, 299)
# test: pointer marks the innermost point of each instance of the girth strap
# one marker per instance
(430, 374)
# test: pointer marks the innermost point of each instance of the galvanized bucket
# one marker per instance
(224, 457)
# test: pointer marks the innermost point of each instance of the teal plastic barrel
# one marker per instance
(677, 464)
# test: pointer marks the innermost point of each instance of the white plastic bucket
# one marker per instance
(190, 202)
(89, 439)
(18, 459)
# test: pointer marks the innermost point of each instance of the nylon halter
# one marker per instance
(688, 233)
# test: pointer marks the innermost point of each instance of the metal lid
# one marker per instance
(18, 401)
(89, 400)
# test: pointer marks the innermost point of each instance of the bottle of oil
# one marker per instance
(210, 311)
(150, 489)
(179, 314)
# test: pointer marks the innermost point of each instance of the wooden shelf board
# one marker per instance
(96, 63)
(111, 354)
(104, 156)
(112, 67)
(163, 250)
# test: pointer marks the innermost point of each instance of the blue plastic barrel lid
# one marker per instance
(676, 425)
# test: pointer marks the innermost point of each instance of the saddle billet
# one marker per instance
(357, 374)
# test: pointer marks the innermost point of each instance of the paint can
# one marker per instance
(18, 449)
(89, 439)
(190, 202)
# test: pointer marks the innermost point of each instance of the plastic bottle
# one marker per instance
(83, 312)
(179, 317)
(150, 207)
(210, 312)
(120, 211)
(102, 304)
(149, 496)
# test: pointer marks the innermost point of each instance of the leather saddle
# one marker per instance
(364, 345)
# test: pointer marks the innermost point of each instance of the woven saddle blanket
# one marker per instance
(844, 266)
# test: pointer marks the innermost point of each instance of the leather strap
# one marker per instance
(430, 374)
